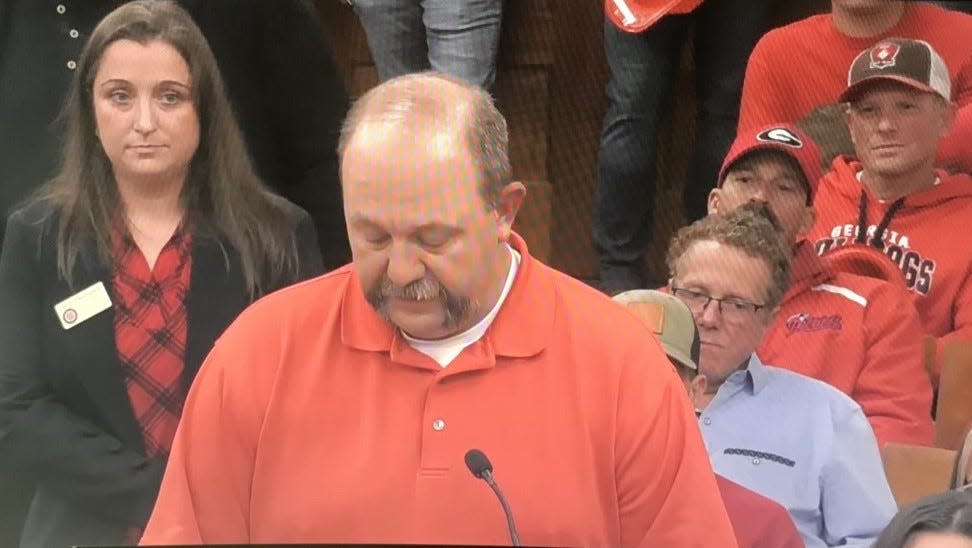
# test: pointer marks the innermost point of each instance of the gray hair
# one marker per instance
(431, 100)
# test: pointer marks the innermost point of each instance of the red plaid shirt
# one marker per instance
(150, 333)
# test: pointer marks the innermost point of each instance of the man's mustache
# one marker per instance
(425, 289)
(457, 309)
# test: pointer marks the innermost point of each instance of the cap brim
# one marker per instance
(767, 145)
(851, 92)
(678, 356)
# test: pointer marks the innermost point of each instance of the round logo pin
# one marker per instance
(70, 316)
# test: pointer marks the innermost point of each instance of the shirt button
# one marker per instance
(438, 425)
(707, 421)
(73, 33)
(756, 462)
(61, 9)
(72, 65)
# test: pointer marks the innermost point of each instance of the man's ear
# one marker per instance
(510, 199)
(848, 113)
(715, 200)
(697, 387)
(948, 118)
(807, 219)
(770, 315)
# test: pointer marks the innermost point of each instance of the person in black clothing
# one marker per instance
(281, 80)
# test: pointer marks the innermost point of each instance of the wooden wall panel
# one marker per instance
(522, 95)
(528, 35)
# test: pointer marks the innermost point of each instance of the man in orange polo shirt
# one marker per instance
(340, 410)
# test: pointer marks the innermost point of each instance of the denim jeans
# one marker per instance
(457, 37)
(643, 69)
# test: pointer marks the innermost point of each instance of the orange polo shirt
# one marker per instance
(314, 421)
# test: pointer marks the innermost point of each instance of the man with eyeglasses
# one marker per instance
(757, 521)
(859, 334)
(790, 438)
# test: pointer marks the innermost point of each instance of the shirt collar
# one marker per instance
(757, 373)
(753, 377)
(523, 326)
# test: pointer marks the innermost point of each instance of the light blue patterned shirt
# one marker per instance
(804, 444)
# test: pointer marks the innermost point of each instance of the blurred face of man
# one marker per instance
(766, 177)
(429, 252)
(731, 332)
(896, 129)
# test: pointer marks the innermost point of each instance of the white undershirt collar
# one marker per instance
(443, 351)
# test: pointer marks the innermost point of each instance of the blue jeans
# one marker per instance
(643, 69)
(457, 37)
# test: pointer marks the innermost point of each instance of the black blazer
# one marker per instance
(65, 418)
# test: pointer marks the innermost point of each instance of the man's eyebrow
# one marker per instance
(357, 219)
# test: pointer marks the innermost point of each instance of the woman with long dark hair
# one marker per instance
(116, 279)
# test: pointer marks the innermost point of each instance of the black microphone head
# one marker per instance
(477, 463)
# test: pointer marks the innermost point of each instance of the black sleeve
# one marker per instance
(310, 263)
(306, 99)
(40, 437)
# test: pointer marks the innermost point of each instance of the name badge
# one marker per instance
(83, 305)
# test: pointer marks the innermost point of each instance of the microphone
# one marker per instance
(480, 467)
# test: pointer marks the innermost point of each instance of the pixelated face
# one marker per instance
(731, 332)
(766, 177)
(896, 128)
(144, 111)
(429, 251)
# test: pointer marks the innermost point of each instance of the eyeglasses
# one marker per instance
(730, 308)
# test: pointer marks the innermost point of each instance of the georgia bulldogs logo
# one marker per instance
(883, 55)
(918, 270)
(780, 135)
(805, 323)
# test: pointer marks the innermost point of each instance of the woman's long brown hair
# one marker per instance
(222, 193)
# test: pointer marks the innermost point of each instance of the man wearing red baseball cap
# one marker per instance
(892, 197)
(860, 335)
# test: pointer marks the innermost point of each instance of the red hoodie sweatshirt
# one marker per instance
(924, 235)
(858, 335)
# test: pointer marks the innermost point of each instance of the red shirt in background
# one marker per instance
(151, 326)
(799, 67)
(860, 335)
(925, 238)
(758, 522)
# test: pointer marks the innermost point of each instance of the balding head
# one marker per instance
(439, 109)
